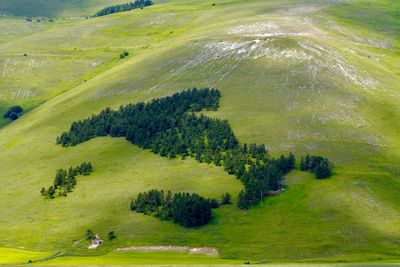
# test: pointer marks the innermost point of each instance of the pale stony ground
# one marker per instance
(194, 250)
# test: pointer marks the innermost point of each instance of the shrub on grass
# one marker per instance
(13, 113)
(111, 235)
(89, 234)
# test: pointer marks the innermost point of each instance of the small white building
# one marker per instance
(96, 242)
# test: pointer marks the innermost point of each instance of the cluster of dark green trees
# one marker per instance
(189, 210)
(124, 7)
(226, 199)
(89, 235)
(123, 54)
(261, 174)
(13, 113)
(169, 127)
(320, 166)
(65, 180)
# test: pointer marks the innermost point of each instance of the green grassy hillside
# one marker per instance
(53, 8)
(307, 76)
(42, 59)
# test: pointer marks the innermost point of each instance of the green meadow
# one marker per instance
(302, 76)
(54, 8)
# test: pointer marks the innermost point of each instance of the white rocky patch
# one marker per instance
(264, 30)
(273, 52)
(96, 63)
(17, 93)
(328, 58)
(194, 250)
(299, 10)
(13, 67)
(211, 62)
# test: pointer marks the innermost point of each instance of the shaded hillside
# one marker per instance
(53, 8)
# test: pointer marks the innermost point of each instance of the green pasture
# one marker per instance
(307, 76)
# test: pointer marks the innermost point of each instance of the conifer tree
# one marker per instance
(111, 235)
(243, 200)
(226, 199)
(51, 192)
(303, 165)
(323, 170)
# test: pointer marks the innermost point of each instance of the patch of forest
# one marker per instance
(171, 127)
(13, 113)
(65, 181)
(123, 7)
(318, 165)
(189, 210)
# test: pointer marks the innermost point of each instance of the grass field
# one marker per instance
(307, 76)
(130, 258)
(16, 256)
(54, 8)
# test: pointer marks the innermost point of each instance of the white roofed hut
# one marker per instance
(96, 242)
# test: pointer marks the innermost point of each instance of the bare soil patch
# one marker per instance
(200, 250)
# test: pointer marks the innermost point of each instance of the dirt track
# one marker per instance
(203, 250)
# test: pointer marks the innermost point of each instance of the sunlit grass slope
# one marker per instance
(41, 59)
(130, 258)
(295, 75)
(15, 256)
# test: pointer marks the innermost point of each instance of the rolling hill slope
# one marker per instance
(307, 76)
(54, 8)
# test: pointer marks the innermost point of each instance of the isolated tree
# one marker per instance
(111, 235)
(15, 109)
(13, 112)
(124, 54)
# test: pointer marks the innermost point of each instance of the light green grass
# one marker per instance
(15, 256)
(327, 90)
(132, 258)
